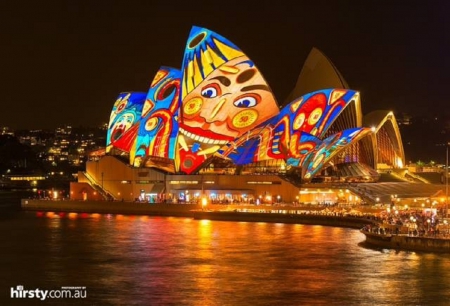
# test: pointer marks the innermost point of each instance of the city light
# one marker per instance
(204, 202)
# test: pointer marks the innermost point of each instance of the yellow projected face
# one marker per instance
(230, 101)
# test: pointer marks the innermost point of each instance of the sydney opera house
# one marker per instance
(214, 129)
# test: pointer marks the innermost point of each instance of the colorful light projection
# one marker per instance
(126, 112)
(220, 100)
(158, 126)
(331, 146)
(294, 133)
(303, 146)
(223, 96)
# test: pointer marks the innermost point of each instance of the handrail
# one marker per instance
(418, 177)
(104, 192)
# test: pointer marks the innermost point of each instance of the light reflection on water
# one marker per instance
(141, 260)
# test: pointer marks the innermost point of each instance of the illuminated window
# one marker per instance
(183, 182)
(27, 178)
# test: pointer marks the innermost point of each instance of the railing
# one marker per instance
(396, 175)
(363, 194)
(104, 192)
(419, 178)
(296, 181)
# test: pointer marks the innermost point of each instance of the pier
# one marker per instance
(407, 242)
(241, 213)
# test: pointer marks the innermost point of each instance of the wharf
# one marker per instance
(109, 207)
(238, 213)
(407, 242)
(294, 217)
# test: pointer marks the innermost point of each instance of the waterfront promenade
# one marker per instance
(394, 236)
(109, 207)
(307, 214)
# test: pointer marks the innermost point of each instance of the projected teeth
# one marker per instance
(201, 138)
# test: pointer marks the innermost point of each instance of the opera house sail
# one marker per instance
(217, 114)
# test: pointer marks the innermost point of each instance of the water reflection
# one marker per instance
(154, 260)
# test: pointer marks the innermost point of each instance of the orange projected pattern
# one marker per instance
(219, 104)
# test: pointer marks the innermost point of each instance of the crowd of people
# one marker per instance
(422, 223)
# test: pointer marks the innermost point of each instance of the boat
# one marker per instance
(407, 242)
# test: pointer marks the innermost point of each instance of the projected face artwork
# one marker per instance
(310, 113)
(159, 123)
(125, 114)
(119, 106)
(223, 96)
(122, 124)
(331, 146)
(229, 102)
(292, 134)
(219, 105)
(301, 148)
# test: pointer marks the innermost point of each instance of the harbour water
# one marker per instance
(141, 260)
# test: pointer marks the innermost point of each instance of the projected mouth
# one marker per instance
(208, 138)
(117, 133)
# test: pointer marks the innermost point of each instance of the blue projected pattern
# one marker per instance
(331, 146)
(220, 105)
(125, 114)
(294, 133)
(158, 127)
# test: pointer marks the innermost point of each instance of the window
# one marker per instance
(264, 183)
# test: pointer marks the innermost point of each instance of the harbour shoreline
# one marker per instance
(238, 213)
(407, 243)
(288, 218)
(241, 213)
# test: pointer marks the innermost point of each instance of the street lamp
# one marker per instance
(446, 180)
(393, 198)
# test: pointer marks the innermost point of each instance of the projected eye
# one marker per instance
(315, 116)
(151, 124)
(211, 91)
(121, 106)
(246, 101)
(167, 90)
(298, 121)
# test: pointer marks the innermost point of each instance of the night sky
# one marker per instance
(66, 61)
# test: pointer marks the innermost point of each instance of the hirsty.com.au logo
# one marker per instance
(64, 293)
